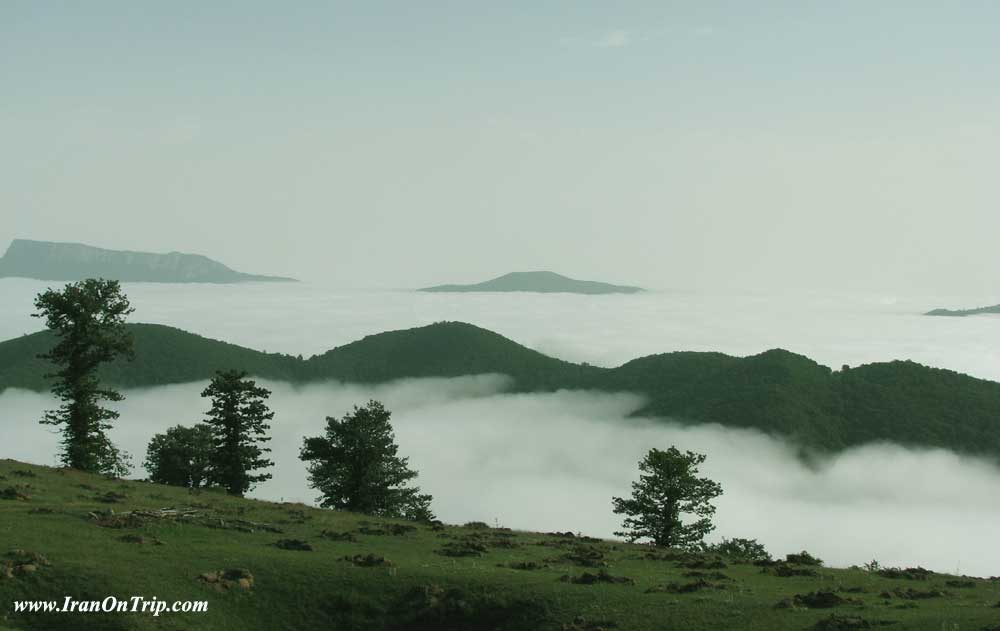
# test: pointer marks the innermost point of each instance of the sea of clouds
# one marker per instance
(553, 461)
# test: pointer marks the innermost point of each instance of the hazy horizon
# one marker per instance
(715, 146)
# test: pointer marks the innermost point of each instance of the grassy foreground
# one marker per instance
(433, 577)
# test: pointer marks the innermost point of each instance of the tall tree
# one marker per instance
(88, 319)
(181, 456)
(355, 467)
(238, 421)
(668, 488)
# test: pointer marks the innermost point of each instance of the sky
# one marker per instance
(373, 144)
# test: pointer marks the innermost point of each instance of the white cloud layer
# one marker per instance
(553, 462)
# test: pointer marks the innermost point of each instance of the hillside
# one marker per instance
(960, 313)
(88, 537)
(538, 282)
(44, 260)
(777, 392)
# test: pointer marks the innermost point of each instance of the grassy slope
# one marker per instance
(776, 391)
(318, 590)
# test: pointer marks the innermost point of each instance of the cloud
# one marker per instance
(553, 462)
(614, 39)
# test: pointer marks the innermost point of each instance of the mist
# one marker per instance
(553, 462)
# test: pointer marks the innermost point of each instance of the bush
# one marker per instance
(739, 550)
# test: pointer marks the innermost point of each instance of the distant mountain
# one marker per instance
(959, 313)
(44, 260)
(776, 392)
(540, 282)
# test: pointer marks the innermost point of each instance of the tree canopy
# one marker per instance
(355, 467)
(88, 320)
(668, 489)
(238, 423)
(181, 456)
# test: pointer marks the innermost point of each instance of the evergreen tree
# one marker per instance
(88, 319)
(238, 421)
(181, 456)
(355, 467)
(667, 489)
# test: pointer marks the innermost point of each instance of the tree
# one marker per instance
(667, 489)
(238, 423)
(181, 456)
(355, 467)
(88, 319)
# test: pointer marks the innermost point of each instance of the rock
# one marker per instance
(27, 568)
(209, 577)
(244, 583)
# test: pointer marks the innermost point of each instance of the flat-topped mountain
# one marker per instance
(45, 260)
(776, 392)
(539, 282)
(959, 313)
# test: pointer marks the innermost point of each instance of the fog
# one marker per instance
(553, 461)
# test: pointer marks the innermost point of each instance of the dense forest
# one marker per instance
(777, 391)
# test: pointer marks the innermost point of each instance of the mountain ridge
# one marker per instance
(776, 392)
(59, 261)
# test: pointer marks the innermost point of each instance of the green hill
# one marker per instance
(539, 282)
(776, 392)
(86, 537)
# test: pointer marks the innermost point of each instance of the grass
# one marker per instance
(422, 588)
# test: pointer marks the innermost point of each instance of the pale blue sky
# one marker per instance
(383, 144)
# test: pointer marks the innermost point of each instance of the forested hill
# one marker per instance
(776, 391)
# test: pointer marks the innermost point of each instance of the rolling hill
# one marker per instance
(265, 565)
(777, 392)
